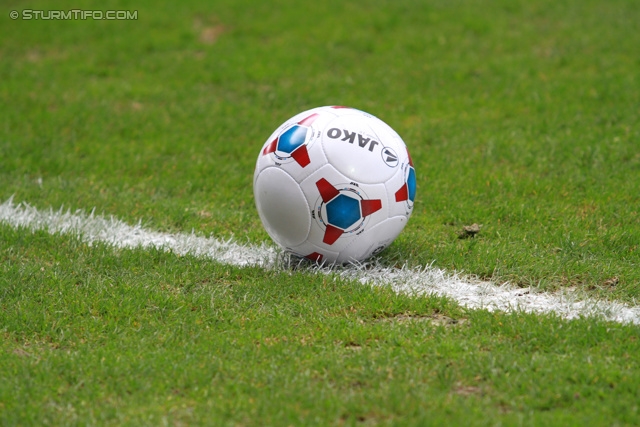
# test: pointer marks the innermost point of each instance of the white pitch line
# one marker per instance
(418, 281)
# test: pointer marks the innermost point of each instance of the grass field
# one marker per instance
(520, 116)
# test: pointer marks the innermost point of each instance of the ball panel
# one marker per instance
(401, 191)
(315, 253)
(292, 138)
(373, 240)
(294, 146)
(362, 147)
(336, 201)
(411, 184)
(353, 148)
(282, 207)
(319, 184)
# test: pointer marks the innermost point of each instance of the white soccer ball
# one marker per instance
(334, 185)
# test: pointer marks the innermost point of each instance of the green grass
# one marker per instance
(520, 116)
(102, 336)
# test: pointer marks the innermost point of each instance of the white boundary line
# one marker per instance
(420, 281)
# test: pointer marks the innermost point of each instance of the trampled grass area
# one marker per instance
(520, 116)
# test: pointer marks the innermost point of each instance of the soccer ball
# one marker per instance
(334, 185)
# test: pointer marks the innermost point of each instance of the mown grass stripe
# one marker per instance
(418, 281)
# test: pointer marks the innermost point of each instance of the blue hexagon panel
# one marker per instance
(292, 138)
(343, 211)
(411, 183)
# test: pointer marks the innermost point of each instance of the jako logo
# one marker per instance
(336, 133)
